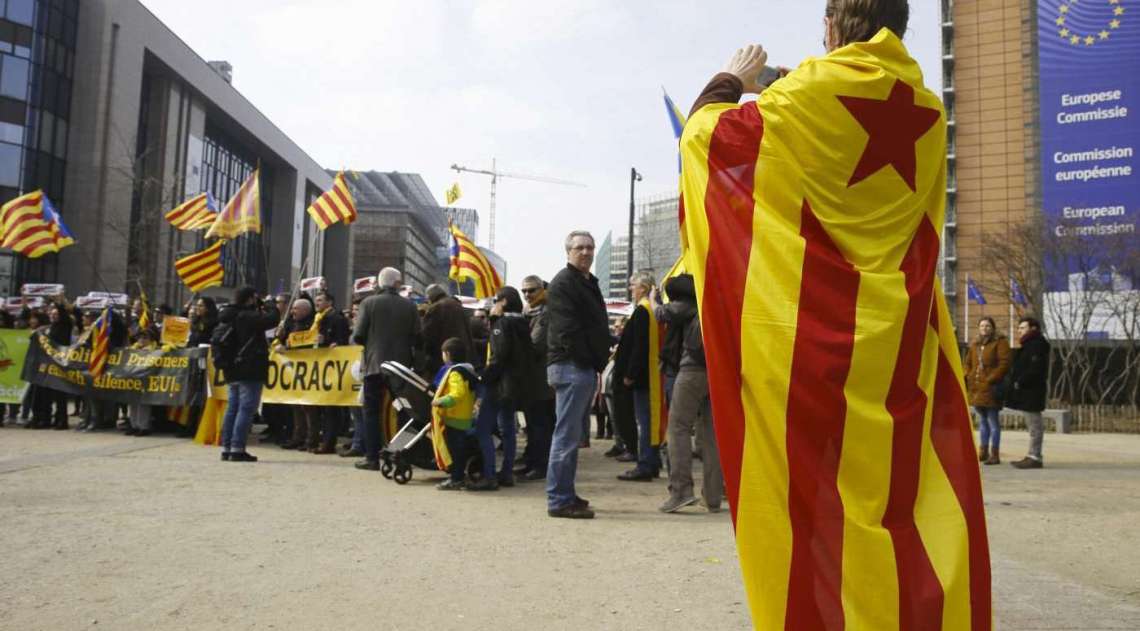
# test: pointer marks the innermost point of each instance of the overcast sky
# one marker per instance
(570, 90)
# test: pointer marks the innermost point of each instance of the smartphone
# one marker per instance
(768, 75)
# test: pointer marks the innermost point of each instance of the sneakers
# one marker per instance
(241, 456)
(1027, 463)
(349, 452)
(674, 504)
(626, 456)
(572, 511)
(450, 485)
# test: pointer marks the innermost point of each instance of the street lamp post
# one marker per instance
(634, 178)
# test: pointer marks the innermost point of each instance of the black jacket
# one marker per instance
(201, 331)
(334, 329)
(445, 318)
(250, 324)
(1029, 375)
(578, 326)
(632, 358)
(511, 371)
(537, 319)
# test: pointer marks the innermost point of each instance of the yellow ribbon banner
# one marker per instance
(311, 376)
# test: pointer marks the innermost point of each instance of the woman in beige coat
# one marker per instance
(987, 362)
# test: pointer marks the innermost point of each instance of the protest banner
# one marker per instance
(13, 348)
(302, 339)
(42, 289)
(131, 376)
(312, 376)
(175, 330)
(364, 285)
(313, 283)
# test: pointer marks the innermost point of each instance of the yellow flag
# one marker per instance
(453, 194)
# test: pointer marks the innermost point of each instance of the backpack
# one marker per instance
(224, 346)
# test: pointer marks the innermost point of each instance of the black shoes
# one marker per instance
(626, 456)
(1027, 463)
(450, 485)
(349, 452)
(534, 474)
(484, 485)
(572, 511)
(225, 456)
(142, 432)
(506, 481)
(241, 456)
(614, 452)
(637, 475)
(368, 465)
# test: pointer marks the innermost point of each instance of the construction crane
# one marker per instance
(495, 175)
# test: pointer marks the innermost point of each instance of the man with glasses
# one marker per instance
(540, 411)
(578, 348)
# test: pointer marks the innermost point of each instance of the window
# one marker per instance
(9, 165)
(21, 11)
(14, 77)
(60, 146)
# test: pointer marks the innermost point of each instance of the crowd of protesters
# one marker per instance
(550, 352)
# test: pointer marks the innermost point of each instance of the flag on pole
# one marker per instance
(1016, 294)
(676, 120)
(469, 262)
(453, 194)
(973, 293)
(30, 225)
(144, 318)
(100, 344)
(202, 269)
(810, 223)
(242, 213)
(195, 213)
(336, 204)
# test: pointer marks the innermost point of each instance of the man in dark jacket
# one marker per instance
(1028, 384)
(332, 331)
(689, 407)
(306, 418)
(578, 346)
(249, 319)
(540, 411)
(445, 318)
(388, 327)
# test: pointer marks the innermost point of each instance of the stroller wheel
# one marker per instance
(403, 475)
(386, 470)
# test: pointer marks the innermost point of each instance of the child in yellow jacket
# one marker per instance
(453, 412)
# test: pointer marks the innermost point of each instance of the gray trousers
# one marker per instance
(690, 409)
(1036, 426)
(139, 416)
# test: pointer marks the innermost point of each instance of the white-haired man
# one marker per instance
(388, 327)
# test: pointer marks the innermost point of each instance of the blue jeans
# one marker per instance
(648, 458)
(989, 427)
(573, 390)
(357, 414)
(244, 398)
(496, 413)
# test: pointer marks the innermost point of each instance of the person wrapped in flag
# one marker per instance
(637, 365)
(453, 412)
(810, 220)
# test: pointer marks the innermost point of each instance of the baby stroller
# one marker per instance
(411, 446)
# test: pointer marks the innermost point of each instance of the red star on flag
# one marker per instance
(894, 126)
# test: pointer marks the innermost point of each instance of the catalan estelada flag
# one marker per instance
(242, 213)
(810, 223)
(658, 405)
(30, 225)
(335, 205)
(453, 193)
(202, 269)
(100, 344)
(468, 262)
(195, 213)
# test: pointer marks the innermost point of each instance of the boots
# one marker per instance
(983, 453)
(994, 457)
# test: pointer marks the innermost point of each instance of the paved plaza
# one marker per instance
(105, 531)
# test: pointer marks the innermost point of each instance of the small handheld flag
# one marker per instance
(974, 293)
(469, 262)
(202, 269)
(336, 204)
(32, 226)
(453, 194)
(242, 213)
(100, 344)
(195, 213)
(144, 318)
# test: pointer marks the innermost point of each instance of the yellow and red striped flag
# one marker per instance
(658, 403)
(810, 221)
(100, 344)
(195, 213)
(30, 225)
(469, 262)
(334, 205)
(242, 213)
(144, 317)
(202, 269)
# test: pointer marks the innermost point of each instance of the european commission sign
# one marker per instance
(1089, 63)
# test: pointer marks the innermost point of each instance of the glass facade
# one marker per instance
(37, 63)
